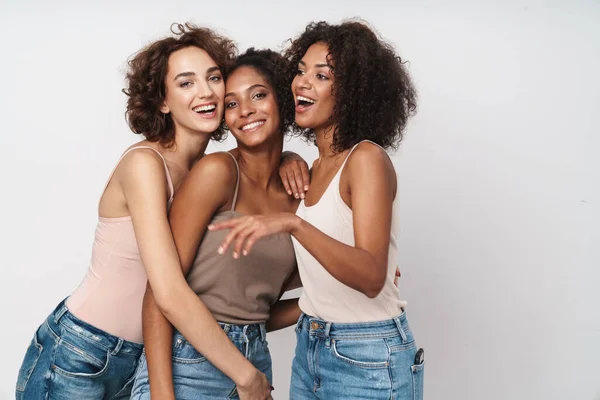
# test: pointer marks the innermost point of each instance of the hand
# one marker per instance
(245, 231)
(258, 388)
(398, 275)
(294, 174)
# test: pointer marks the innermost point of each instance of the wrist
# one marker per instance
(294, 224)
(245, 376)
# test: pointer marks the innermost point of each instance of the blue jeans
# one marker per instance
(194, 377)
(374, 360)
(69, 359)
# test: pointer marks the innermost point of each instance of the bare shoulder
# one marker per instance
(145, 164)
(216, 167)
(369, 156)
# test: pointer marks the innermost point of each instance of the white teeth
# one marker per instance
(252, 125)
(302, 98)
(209, 107)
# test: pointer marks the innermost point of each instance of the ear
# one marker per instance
(164, 108)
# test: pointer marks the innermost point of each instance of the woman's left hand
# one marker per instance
(245, 231)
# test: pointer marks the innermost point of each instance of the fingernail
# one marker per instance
(220, 250)
(235, 255)
(305, 188)
(289, 192)
(301, 195)
(296, 195)
(245, 252)
(211, 227)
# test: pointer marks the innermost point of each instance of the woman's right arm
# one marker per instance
(144, 185)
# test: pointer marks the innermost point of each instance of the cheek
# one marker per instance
(230, 118)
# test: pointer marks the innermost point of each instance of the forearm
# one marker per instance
(196, 323)
(352, 266)
(158, 338)
(284, 313)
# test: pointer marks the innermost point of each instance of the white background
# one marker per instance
(499, 173)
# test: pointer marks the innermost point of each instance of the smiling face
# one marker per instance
(195, 90)
(312, 88)
(251, 110)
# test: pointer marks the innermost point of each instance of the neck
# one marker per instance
(188, 148)
(324, 138)
(261, 163)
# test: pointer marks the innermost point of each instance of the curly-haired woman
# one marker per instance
(89, 346)
(242, 293)
(353, 99)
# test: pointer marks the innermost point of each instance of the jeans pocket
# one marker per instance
(417, 380)
(74, 361)
(32, 355)
(185, 353)
(365, 353)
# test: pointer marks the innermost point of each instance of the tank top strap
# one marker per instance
(169, 180)
(237, 183)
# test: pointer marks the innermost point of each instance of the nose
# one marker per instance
(204, 90)
(247, 108)
(303, 81)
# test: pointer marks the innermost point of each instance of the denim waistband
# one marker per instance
(97, 337)
(246, 332)
(377, 329)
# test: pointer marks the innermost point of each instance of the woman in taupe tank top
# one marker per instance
(241, 291)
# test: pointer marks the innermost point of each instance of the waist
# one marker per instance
(61, 318)
(397, 326)
(235, 332)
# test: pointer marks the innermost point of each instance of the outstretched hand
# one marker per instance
(245, 231)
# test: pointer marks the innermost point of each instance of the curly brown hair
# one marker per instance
(374, 95)
(272, 66)
(145, 79)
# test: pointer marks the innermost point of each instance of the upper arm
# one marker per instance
(372, 183)
(207, 188)
(143, 179)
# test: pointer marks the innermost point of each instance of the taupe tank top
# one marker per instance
(241, 291)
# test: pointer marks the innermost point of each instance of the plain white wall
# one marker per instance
(499, 173)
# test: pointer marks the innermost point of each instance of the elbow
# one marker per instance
(374, 286)
(165, 302)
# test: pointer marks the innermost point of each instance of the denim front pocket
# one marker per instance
(184, 352)
(365, 353)
(417, 380)
(78, 360)
(32, 355)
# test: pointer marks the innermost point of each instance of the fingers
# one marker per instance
(299, 180)
(292, 181)
(231, 236)
(239, 241)
(285, 180)
(305, 175)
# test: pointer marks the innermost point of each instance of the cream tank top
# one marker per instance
(111, 293)
(324, 296)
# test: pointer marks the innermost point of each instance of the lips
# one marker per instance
(208, 110)
(252, 126)
(303, 103)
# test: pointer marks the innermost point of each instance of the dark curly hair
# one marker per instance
(374, 95)
(272, 66)
(145, 79)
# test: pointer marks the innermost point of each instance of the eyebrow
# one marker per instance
(189, 73)
(249, 89)
(316, 65)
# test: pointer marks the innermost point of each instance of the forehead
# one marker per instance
(244, 77)
(192, 59)
(317, 52)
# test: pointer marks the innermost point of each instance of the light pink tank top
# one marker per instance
(111, 293)
(323, 295)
